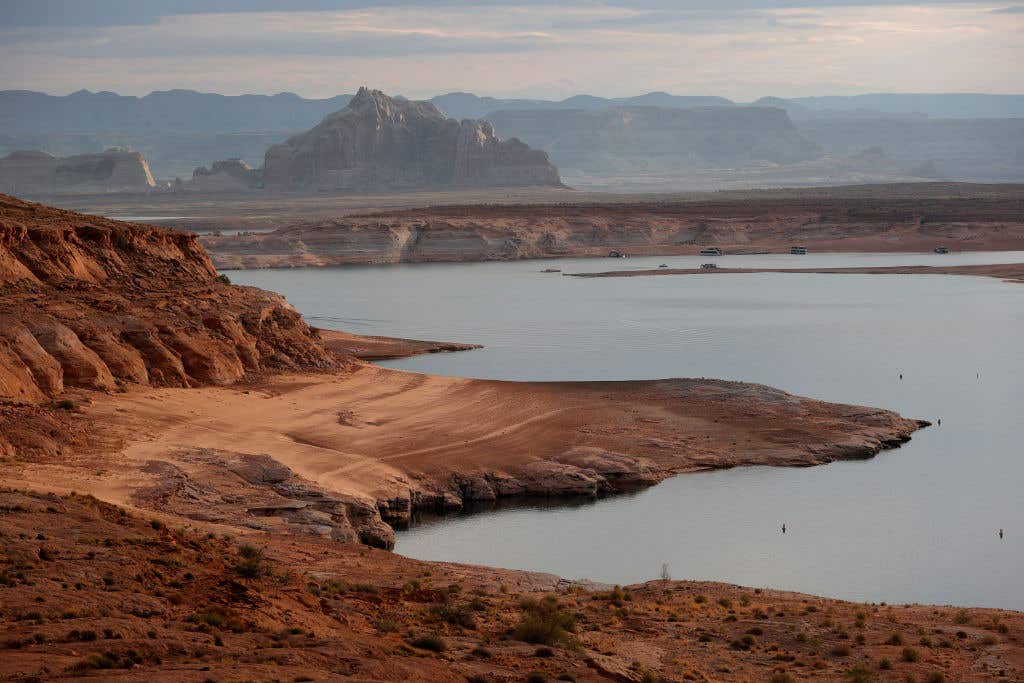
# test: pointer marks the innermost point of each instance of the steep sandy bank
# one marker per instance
(736, 225)
(1011, 272)
(110, 594)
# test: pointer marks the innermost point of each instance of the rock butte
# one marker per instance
(115, 170)
(132, 373)
(383, 143)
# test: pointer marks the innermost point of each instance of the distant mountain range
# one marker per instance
(207, 113)
(656, 141)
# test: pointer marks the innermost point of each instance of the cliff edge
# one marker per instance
(94, 303)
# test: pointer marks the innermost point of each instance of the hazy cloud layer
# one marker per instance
(738, 48)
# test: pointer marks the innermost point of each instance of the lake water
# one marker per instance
(918, 524)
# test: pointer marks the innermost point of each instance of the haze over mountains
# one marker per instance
(655, 141)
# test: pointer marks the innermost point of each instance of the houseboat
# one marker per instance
(798, 250)
(710, 251)
(941, 250)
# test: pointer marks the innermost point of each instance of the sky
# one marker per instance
(741, 49)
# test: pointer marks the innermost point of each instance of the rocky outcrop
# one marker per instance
(225, 176)
(94, 303)
(115, 170)
(382, 143)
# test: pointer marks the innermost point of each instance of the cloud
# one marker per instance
(1009, 10)
(25, 13)
(616, 47)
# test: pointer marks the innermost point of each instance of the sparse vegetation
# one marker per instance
(431, 642)
(250, 563)
(544, 622)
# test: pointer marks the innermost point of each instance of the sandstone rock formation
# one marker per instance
(383, 143)
(225, 176)
(115, 170)
(94, 303)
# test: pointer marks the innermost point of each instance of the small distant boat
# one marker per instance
(941, 250)
(710, 251)
(708, 266)
(552, 270)
(798, 250)
(615, 253)
(663, 265)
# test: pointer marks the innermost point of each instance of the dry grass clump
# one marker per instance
(544, 622)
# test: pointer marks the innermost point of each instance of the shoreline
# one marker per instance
(1008, 272)
(234, 475)
(356, 453)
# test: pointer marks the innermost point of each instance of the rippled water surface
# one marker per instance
(918, 524)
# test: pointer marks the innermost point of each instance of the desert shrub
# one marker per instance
(66, 404)
(544, 622)
(910, 655)
(386, 625)
(431, 642)
(223, 279)
(962, 617)
(840, 651)
(935, 677)
(457, 615)
(859, 674)
(481, 652)
(212, 617)
(536, 677)
(543, 652)
(895, 639)
(782, 677)
(884, 664)
(250, 562)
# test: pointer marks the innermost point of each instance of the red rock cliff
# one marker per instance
(90, 302)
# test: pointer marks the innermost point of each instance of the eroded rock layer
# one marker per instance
(494, 232)
(93, 303)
